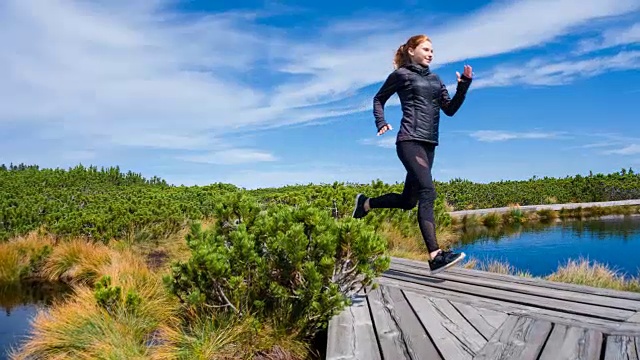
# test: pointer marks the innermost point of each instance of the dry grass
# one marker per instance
(78, 327)
(581, 272)
(495, 266)
(414, 247)
(157, 328)
(76, 260)
(16, 255)
(584, 272)
(207, 336)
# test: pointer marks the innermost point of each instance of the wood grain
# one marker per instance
(504, 284)
(400, 333)
(520, 298)
(350, 334)
(484, 320)
(572, 343)
(518, 338)
(621, 348)
(522, 280)
(451, 333)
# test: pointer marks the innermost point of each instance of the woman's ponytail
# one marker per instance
(401, 57)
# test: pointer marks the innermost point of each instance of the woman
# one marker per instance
(422, 95)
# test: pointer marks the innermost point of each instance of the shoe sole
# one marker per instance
(355, 206)
(462, 256)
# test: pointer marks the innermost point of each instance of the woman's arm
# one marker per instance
(388, 88)
(451, 106)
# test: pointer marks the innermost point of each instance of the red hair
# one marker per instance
(402, 54)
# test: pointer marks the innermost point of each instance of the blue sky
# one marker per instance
(270, 93)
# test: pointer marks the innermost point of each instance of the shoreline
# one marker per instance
(556, 207)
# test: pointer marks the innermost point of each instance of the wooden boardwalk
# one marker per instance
(557, 207)
(465, 314)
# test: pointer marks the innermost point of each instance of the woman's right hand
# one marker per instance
(384, 129)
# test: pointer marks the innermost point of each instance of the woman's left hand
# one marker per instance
(468, 72)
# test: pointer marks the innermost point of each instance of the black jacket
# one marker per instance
(422, 94)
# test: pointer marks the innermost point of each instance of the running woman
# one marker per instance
(422, 95)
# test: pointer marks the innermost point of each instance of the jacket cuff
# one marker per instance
(381, 124)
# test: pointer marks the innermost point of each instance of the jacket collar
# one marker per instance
(422, 70)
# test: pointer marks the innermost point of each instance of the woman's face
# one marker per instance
(422, 54)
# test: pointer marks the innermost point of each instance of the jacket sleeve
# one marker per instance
(450, 106)
(388, 88)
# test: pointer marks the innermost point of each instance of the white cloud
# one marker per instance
(313, 173)
(611, 38)
(541, 72)
(632, 149)
(231, 157)
(497, 29)
(108, 74)
(497, 135)
(389, 141)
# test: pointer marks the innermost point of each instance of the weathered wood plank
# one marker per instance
(518, 338)
(539, 301)
(626, 304)
(350, 334)
(522, 280)
(635, 318)
(485, 320)
(610, 327)
(572, 343)
(621, 348)
(400, 333)
(451, 333)
(460, 213)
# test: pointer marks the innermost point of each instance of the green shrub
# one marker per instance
(297, 264)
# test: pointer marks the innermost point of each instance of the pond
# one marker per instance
(541, 248)
(18, 305)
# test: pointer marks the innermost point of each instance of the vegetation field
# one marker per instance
(220, 272)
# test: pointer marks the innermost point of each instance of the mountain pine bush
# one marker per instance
(296, 264)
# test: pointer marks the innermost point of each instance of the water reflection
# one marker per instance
(19, 303)
(540, 248)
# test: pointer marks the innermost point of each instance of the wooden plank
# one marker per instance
(399, 331)
(611, 327)
(451, 333)
(350, 334)
(518, 338)
(460, 213)
(572, 343)
(484, 320)
(592, 299)
(538, 301)
(621, 348)
(635, 318)
(522, 280)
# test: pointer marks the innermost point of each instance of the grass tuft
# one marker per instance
(76, 260)
(495, 266)
(585, 272)
(221, 337)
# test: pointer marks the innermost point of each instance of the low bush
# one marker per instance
(296, 264)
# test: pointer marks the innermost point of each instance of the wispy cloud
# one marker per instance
(279, 174)
(389, 141)
(498, 135)
(142, 75)
(611, 38)
(542, 72)
(632, 149)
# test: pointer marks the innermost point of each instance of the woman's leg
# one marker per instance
(417, 159)
(407, 200)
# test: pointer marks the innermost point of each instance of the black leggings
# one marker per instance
(417, 158)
